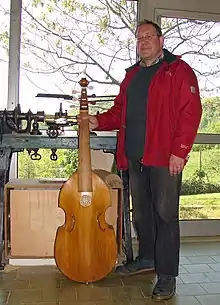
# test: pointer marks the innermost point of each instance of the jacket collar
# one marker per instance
(156, 61)
(169, 58)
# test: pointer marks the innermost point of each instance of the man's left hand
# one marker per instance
(176, 165)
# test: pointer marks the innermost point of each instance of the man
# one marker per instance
(157, 112)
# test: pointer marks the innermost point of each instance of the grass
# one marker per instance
(201, 199)
(200, 206)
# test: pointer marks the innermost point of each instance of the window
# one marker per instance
(198, 43)
(59, 44)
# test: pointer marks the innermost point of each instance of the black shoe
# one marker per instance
(139, 265)
(165, 288)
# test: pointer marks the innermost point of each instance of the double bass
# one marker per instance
(85, 247)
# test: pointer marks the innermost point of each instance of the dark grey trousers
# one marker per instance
(155, 200)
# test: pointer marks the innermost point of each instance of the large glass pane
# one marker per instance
(201, 184)
(63, 40)
(197, 42)
(60, 42)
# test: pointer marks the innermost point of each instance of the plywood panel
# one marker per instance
(35, 217)
(34, 220)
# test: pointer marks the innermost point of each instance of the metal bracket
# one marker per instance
(126, 216)
(5, 160)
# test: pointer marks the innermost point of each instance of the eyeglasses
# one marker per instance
(146, 38)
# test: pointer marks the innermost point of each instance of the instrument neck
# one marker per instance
(85, 167)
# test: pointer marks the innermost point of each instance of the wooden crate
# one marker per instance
(32, 217)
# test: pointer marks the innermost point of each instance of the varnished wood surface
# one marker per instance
(85, 246)
(85, 166)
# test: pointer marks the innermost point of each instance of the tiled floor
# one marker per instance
(198, 283)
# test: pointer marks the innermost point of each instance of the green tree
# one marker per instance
(95, 37)
(69, 161)
(210, 122)
(79, 36)
(211, 114)
(43, 168)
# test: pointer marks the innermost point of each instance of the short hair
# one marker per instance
(156, 26)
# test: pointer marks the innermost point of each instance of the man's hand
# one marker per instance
(93, 122)
(176, 165)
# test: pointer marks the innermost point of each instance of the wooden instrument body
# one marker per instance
(85, 247)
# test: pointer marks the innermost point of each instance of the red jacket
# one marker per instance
(173, 114)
